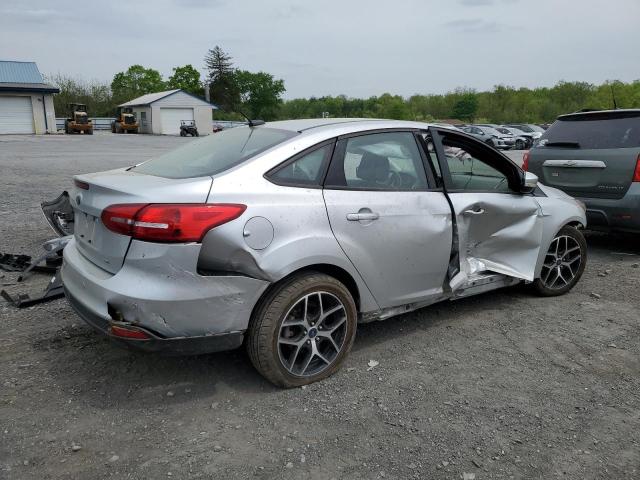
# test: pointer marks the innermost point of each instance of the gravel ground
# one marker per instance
(505, 385)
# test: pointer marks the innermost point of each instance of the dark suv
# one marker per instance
(595, 157)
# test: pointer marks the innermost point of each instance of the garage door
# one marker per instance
(171, 117)
(16, 115)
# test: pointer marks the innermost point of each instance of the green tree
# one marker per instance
(220, 75)
(95, 95)
(136, 81)
(187, 78)
(259, 94)
(466, 107)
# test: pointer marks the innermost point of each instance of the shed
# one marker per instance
(162, 112)
(26, 101)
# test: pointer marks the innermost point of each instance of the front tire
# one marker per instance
(520, 145)
(564, 263)
(302, 330)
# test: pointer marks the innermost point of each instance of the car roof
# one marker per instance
(343, 125)
(602, 114)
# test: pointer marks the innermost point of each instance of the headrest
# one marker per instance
(373, 168)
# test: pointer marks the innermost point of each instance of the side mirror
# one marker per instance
(529, 183)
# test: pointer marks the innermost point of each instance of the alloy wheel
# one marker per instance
(312, 334)
(562, 262)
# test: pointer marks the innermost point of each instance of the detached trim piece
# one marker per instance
(54, 290)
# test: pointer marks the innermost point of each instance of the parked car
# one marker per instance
(485, 137)
(594, 156)
(285, 236)
(535, 131)
(497, 139)
(522, 140)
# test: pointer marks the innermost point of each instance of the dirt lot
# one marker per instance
(506, 385)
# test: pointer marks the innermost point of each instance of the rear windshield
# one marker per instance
(596, 133)
(214, 153)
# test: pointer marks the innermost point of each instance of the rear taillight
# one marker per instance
(636, 172)
(525, 161)
(168, 223)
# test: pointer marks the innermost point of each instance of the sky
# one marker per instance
(358, 48)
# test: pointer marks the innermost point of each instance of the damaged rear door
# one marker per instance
(499, 228)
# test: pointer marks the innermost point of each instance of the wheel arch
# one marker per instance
(334, 271)
(550, 234)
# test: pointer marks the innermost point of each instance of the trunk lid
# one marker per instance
(103, 247)
(586, 173)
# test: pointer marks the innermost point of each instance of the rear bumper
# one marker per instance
(622, 214)
(158, 290)
(156, 344)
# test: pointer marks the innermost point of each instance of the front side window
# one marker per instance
(378, 161)
(306, 169)
(215, 153)
(468, 172)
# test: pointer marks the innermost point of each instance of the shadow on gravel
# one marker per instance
(104, 375)
(614, 243)
(439, 315)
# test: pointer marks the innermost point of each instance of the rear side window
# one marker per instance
(215, 153)
(593, 133)
(305, 169)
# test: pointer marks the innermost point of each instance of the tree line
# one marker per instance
(239, 92)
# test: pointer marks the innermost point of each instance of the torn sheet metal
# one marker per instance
(59, 214)
(498, 233)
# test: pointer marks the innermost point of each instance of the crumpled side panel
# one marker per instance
(505, 238)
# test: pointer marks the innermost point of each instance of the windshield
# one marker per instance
(536, 128)
(596, 133)
(215, 153)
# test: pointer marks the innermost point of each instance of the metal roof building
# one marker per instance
(26, 101)
(162, 112)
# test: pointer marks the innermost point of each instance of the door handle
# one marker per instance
(478, 211)
(358, 217)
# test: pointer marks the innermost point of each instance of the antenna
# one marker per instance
(251, 123)
(613, 96)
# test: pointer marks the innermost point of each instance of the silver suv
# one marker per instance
(285, 236)
(594, 156)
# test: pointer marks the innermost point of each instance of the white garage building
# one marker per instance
(26, 102)
(161, 112)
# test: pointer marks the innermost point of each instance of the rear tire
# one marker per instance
(564, 263)
(302, 330)
(520, 145)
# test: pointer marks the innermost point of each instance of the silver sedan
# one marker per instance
(284, 236)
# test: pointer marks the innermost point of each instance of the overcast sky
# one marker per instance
(353, 47)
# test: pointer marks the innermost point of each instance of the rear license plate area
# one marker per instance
(85, 227)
